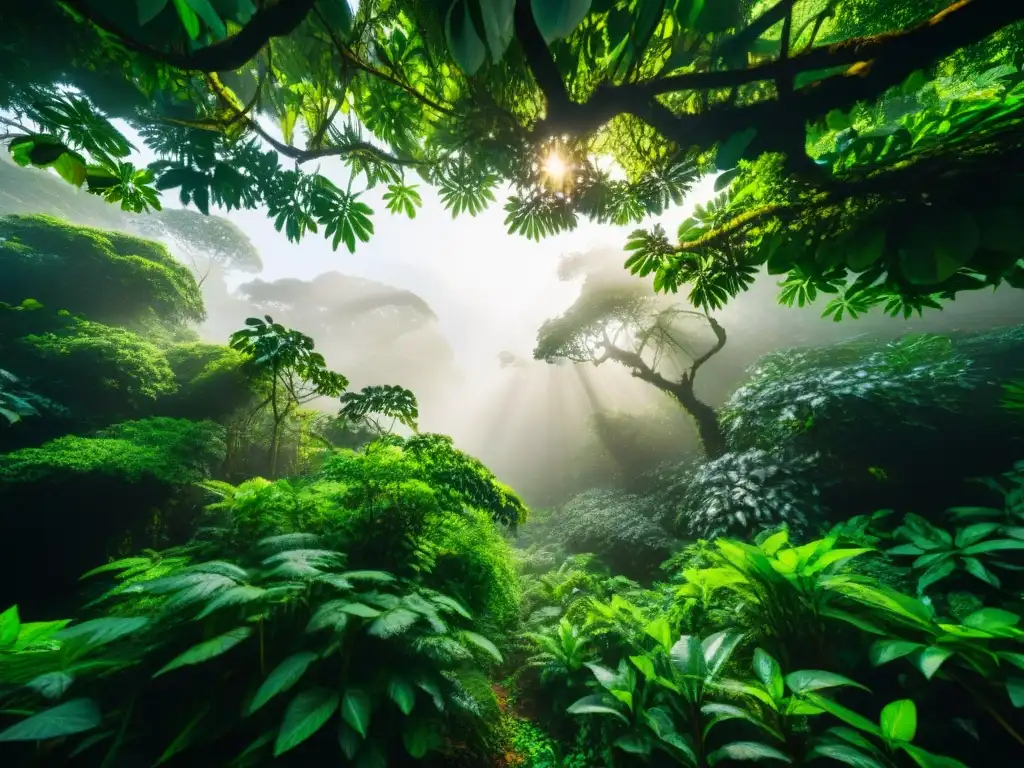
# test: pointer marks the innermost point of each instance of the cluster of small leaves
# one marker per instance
(937, 241)
(278, 350)
(171, 451)
(17, 402)
(388, 401)
(743, 492)
(313, 621)
(69, 267)
(793, 392)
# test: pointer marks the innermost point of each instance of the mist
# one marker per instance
(451, 309)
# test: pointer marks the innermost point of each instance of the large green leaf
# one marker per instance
(899, 720)
(74, 716)
(207, 649)
(465, 44)
(816, 680)
(846, 754)
(402, 693)
(498, 17)
(10, 624)
(596, 704)
(420, 735)
(282, 678)
(746, 750)
(355, 710)
(558, 18)
(104, 630)
(937, 244)
(305, 715)
(482, 643)
(769, 673)
(688, 657)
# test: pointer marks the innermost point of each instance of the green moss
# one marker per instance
(107, 276)
(211, 380)
(116, 360)
(171, 451)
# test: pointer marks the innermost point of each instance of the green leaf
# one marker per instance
(186, 738)
(848, 716)
(52, 685)
(730, 151)
(899, 720)
(392, 623)
(349, 740)
(937, 244)
(974, 567)
(402, 693)
(688, 657)
(282, 678)
(1015, 689)
(844, 753)
(465, 44)
(306, 714)
(240, 595)
(930, 659)
(10, 625)
(483, 644)
(660, 630)
(935, 574)
(101, 631)
(718, 648)
(816, 680)
(992, 545)
(208, 649)
(595, 704)
(864, 248)
(498, 17)
(420, 736)
(149, 10)
(769, 673)
(884, 651)
(746, 750)
(645, 664)
(210, 18)
(188, 17)
(634, 743)
(972, 534)
(558, 18)
(355, 710)
(361, 610)
(76, 716)
(988, 619)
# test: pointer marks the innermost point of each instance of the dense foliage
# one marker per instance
(257, 565)
(604, 110)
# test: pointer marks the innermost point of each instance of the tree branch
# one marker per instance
(873, 65)
(305, 155)
(720, 339)
(273, 20)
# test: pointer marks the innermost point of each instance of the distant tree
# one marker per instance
(623, 322)
(289, 372)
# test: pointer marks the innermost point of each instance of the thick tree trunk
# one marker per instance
(708, 427)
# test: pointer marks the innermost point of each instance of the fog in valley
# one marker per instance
(451, 309)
